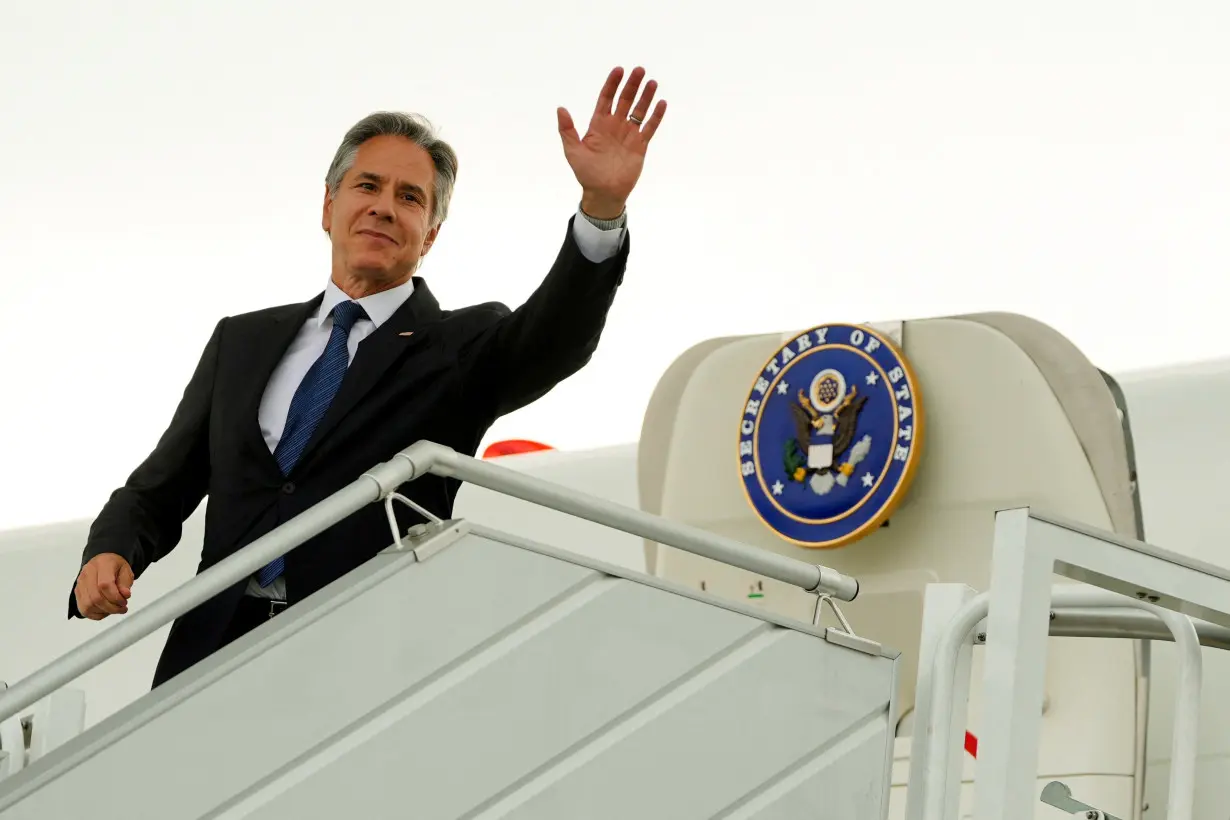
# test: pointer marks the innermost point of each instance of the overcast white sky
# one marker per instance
(820, 161)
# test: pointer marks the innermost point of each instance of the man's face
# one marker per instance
(380, 219)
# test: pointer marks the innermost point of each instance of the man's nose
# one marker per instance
(382, 208)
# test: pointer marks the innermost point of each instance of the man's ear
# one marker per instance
(429, 240)
(326, 216)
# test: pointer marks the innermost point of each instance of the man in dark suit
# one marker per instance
(290, 404)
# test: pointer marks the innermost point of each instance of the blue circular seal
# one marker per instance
(830, 435)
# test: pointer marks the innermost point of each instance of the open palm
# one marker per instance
(608, 160)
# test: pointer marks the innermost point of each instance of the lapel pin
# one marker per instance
(406, 333)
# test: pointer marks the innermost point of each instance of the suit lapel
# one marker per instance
(261, 353)
(375, 355)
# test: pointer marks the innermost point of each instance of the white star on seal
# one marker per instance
(872, 378)
(868, 479)
(777, 488)
(782, 388)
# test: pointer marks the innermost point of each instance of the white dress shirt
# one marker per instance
(595, 243)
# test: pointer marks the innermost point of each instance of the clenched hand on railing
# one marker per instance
(104, 587)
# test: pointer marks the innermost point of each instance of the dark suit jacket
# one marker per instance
(458, 372)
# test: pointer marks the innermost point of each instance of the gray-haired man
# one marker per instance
(291, 403)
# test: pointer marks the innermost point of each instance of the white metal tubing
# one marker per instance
(226, 573)
(941, 603)
(1183, 742)
(810, 577)
(1091, 622)
(1187, 708)
(936, 733)
(413, 462)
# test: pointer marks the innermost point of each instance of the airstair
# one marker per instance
(468, 673)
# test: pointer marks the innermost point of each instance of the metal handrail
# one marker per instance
(809, 577)
(414, 462)
(1187, 699)
(1092, 622)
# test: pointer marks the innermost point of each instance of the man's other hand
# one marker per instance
(104, 587)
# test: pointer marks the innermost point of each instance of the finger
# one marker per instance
(96, 607)
(651, 124)
(629, 93)
(642, 105)
(109, 589)
(606, 97)
(125, 580)
(101, 601)
(567, 131)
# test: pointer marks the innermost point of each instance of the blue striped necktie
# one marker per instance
(311, 400)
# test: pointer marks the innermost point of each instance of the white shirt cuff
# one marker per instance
(596, 244)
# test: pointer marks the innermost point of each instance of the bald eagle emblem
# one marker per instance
(825, 424)
(830, 435)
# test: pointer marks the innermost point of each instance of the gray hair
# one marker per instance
(412, 127)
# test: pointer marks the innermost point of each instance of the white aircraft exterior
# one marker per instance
(1013, 416)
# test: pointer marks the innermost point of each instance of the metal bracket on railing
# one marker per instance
(388, 511)
(1060, 796)
(820, 601)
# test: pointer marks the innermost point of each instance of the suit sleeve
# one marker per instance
(143, 520)
(524, 353)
